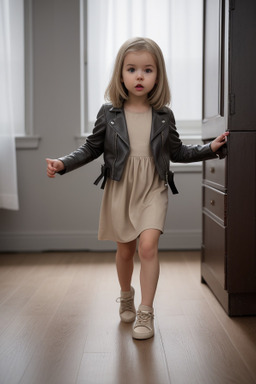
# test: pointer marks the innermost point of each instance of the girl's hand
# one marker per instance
(219, 141)
(53, 166)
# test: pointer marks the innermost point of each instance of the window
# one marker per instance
(176, 25)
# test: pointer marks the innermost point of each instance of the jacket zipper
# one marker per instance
(114, 162)
(166, 167)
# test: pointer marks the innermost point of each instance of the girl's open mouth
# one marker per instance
(139, 87)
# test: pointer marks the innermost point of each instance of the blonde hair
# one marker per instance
(116, 92)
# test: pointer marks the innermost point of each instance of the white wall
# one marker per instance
(62, 214)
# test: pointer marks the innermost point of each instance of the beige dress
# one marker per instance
(139, 200)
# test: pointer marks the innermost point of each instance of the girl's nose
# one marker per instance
(139, 75)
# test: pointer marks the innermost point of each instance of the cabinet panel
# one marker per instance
(214, 70)
(214, 248)
(242, 65)
(212, 57)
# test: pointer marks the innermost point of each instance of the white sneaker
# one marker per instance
(127, 309)
(144, 325)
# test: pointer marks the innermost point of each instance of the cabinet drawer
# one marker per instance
(214, 172)
(214, 254)
(215, 202)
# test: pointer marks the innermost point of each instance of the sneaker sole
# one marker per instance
(141, 336)
(128, 321)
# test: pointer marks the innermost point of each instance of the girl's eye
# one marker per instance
(131, 70)
(148, 70)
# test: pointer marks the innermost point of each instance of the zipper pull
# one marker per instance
(166, 179)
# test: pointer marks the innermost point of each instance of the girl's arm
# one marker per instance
(90, 150)
(181, 153)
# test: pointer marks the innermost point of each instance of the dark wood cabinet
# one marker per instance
(228, 263)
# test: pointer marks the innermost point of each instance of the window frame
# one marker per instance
(28, 140)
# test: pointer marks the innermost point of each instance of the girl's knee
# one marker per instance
(125, 255)
(126, 252)
(147, 250)
(148, 245)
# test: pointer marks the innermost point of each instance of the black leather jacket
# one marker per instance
(110, 137)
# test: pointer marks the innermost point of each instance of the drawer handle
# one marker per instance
(212, 170)
(212, 202)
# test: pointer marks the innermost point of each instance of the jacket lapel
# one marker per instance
(118, 123)
(159, 122)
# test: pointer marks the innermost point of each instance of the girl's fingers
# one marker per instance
(50, 174)
(51, 170)
(225, 134)
(223, 137)
(50, 163)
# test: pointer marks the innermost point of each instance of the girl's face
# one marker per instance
(139, 74)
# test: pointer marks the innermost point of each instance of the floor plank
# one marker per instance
(59, 324)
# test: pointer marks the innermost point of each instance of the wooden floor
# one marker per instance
(59, 324)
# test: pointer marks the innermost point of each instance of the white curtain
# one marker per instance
(176, 25)
(11, 116)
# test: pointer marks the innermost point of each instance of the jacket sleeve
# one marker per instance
(181, 153)
(91, 149)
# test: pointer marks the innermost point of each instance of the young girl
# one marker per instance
(137, 135)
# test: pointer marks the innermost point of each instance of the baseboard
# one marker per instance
(181, 240)
(88, 241)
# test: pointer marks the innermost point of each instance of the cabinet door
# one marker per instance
(241, 212)
(214, 254)
(214, 46)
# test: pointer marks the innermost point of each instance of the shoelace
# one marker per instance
(126, 303)
(143, 319)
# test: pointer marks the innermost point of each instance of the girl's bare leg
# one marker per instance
(124, 264)
(149, 273)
